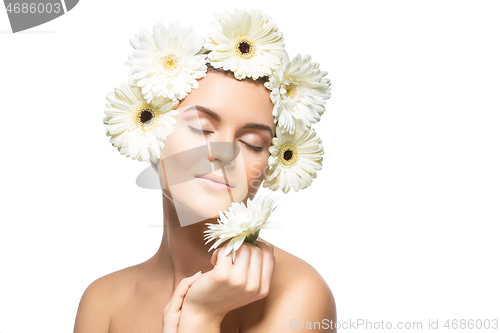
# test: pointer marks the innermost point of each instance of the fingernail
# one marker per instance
(197, 274)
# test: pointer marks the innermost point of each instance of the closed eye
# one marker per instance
(199, 131)
(204, 132)
(257, 149)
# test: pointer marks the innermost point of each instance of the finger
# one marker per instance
(180, 292)
(242, 262)
(265, 246)
(255, 269)
(268, 261)
(213, 260)
(224, 263)
(271, 246)
(193, 279)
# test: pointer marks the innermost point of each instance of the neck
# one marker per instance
(182, 251)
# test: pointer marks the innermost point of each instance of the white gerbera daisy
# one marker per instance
(167, 63)
(135, 125)
(248, 44)
(242, 223)
(294, 160)
(299, 91)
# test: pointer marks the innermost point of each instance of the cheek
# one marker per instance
(256, 169)
(178, 156)
(174, 143)
(182, 140)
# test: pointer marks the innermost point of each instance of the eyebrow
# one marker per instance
(205, 110)
(215, 116)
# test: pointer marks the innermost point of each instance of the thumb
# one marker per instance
(191, 279)
(180, 292)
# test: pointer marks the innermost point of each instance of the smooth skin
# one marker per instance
(266, 289)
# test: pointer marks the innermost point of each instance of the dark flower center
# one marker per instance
(146, 116)
(244, 47)
(287, 155)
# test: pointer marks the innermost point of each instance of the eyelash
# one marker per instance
(199, 131)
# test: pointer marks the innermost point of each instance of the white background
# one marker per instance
(402, 222)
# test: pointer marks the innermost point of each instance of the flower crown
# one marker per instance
(166, 65)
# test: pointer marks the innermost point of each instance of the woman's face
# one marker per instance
(218, 151)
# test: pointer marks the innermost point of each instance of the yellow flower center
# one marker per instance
(243, 48)
(291, 90)
(145, 116)
(288, 155)
(170, 65)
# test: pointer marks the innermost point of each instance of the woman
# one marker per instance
(266, 289)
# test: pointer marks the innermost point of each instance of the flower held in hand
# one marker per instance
(242, 223)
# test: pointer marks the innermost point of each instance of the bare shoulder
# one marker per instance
(297, 273)
(298, 295)
(296, 281)
(100, 299)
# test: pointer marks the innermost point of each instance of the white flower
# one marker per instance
(167, 63)
(240, 223)
(294, 160)
(135, 125)
(248, 44)
(299, 91)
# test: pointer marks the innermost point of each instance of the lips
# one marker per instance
(215, 178)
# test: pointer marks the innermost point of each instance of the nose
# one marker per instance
(223, 152)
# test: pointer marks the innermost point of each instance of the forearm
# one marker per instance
(193, 321)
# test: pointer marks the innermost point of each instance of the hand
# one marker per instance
(229, 286)
(172, 312)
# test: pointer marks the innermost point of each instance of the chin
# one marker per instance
(194, 205)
